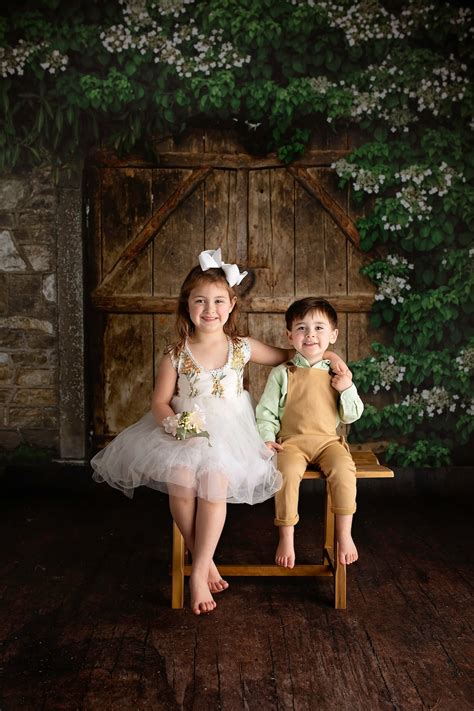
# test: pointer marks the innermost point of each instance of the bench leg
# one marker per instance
(331, 547)
(177, 570)
(328, 521)
(340, 601)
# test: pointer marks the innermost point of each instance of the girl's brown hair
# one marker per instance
(184, 326)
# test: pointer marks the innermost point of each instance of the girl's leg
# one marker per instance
(183, 510)
(347, 549)
(210, 518)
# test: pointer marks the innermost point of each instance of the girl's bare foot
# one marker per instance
(285, 552)
(201, 598)
(347, 550)
(215, 582)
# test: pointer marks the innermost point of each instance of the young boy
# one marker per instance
(302, 404)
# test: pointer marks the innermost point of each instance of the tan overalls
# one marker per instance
(308, 434)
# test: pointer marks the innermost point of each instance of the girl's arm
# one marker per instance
(164, 390)
(268, 355)
(271, 355)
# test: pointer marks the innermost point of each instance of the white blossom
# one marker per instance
(431, 402)
(393, 288)
(388, 372)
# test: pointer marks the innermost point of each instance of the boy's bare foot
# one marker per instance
(347, 550)
(285, 552)
(201, 598)
(215, 582)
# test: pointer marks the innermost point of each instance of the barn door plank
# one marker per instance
(128, 370)
(226, 214)
(219, 220)
(126, 207)
(282, 202)
(163, 335)
(260, 230)
(269, 328)
(181, 238)
(310, 257)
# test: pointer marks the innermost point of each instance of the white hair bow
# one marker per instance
(212, 259)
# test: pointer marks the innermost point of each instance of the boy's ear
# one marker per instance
(289, 336)
(333, 336)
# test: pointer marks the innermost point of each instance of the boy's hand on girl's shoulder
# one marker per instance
(274, 446)
(341, 382)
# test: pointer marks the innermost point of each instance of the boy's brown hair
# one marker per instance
(300, 308)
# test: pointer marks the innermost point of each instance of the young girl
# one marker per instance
(203, 368)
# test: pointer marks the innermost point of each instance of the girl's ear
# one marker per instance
(233, 303)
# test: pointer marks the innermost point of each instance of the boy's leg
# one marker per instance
(292, 465)
(339, 469)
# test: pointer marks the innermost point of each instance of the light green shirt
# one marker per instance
(271, 407)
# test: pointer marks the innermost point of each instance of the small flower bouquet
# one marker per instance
(185, 425)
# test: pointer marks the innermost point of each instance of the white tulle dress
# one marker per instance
(233, 465)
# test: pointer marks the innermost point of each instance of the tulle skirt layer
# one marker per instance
(233, 465)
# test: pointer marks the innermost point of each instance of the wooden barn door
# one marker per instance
(147, 225)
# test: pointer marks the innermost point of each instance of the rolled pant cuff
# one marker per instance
(344, 512)
(286, 521)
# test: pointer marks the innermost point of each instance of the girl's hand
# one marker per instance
(274, 446)
(337, 364)
(341, 382)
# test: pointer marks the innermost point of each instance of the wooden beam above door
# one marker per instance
(355, 303)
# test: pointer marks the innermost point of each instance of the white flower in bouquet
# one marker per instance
(185, 425)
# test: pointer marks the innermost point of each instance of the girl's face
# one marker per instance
(209, 306)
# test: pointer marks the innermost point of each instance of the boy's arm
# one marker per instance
(350, 405)
(267, 410)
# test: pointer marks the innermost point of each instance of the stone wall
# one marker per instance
(29, 346)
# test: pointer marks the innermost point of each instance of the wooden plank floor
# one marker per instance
(85, 621)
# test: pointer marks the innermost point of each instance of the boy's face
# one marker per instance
(312, 335)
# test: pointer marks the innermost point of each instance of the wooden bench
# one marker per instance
(367, 467)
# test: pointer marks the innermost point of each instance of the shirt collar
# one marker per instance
(301, 362)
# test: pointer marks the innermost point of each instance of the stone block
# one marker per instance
(25, 417)
(40, 256)
(25, 294)
(25, 323)
(40, 340)
(34, 377)
(12, 339)
(39, 235)
(9, 439)
(7, 219)
(35, 397)
(12, 192)
(51, 418)
(6, 373)
(3, 294)
(49, 287)
(36, 218)
(10, 258)
(6, 395)
(31, 358)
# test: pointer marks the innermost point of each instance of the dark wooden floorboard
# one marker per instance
(85, 621)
